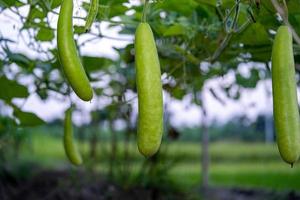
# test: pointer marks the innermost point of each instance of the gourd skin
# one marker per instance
(149, 88)
(69, 143)
(68, 55)
(285, 104)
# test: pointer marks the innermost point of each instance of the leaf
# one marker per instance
(20, 59)
(103, 12)
(55, 3)
(214, 2)
(95, 63)
(255, 35)
(174, 30)
(127, 54)
(294, 18)
(35, 13)
(45, 34)
(79, 29)
(293, 7)
(27, 118)
(7, 3)
(260, 53)
(267, 4)
(248, 82)
(178, 92)
(116, 10)
(208, 2)
(11, 89)
(185, 8)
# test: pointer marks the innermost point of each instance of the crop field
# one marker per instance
(232, 164)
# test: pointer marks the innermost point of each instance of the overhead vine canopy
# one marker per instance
(197, 40)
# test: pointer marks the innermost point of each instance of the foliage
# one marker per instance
(220, 33)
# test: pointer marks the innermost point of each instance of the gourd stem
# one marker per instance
(145, 10)
(286, 10)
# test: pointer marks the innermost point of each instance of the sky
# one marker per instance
(252, 102)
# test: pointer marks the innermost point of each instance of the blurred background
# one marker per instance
(219, 137)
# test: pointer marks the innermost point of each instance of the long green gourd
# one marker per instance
(68, 55)
(149, 88)
(285, 104)
(69, 143)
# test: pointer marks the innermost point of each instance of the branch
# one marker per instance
(229, 34)
(284, 17)
(100, 36)
(102, 20)
(221, 48)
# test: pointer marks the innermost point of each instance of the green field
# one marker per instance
(233, 164)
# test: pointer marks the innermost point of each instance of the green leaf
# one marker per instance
(208, 2)
(79, 29)
(95, 63)
(20, 59)
(185, 8)
(178, 92)
(255, 35)
(295, 22)
(35, 13)
(214, 2)
(267, 4)
(174, 30)
(45, 34)
(258, 53)
(7, 3)
(116, 10)
(11, 89)
(293, 7)
(55, 3)
(103, 12)
(248, 82)
(27, 118)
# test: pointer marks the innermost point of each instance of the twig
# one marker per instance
(223, 45)
(103, 20)
(229, 34)
(218, 10)
(236, 14)
(231, 11)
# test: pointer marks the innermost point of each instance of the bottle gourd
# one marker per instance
(149, 88)
(285, 104)
(68, 140)
(68, 55)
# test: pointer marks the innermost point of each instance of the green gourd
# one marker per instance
(68, 55)
(69, 143)
(285, 104)
(149, 88)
